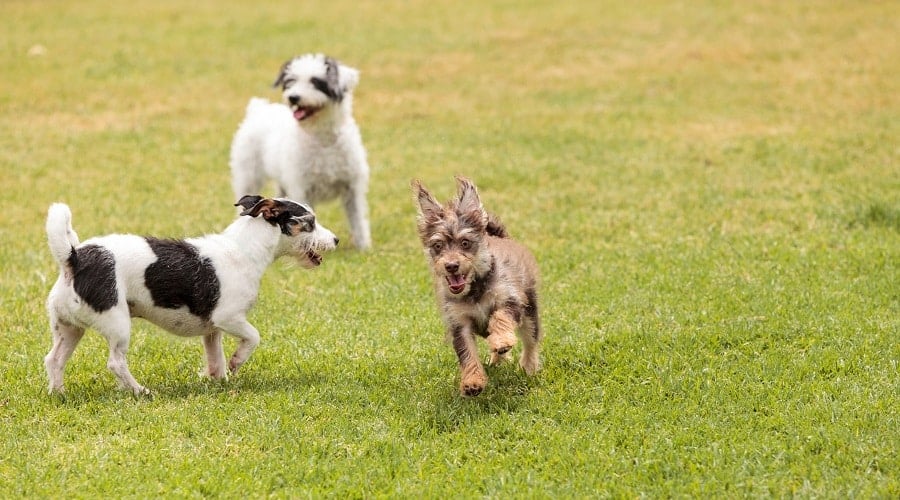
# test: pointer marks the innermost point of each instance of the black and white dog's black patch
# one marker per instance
(94, 276)
(181, 277)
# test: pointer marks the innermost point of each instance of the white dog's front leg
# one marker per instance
(249, 340)
(215, 356)
(247, 173)
(358, 216)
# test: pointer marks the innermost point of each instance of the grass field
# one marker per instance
(712, 190)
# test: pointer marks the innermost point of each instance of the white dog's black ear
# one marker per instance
(331, 85)
(282, 73)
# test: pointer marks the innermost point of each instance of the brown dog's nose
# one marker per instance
(452, 267)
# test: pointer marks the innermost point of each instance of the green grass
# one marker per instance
(712, 190)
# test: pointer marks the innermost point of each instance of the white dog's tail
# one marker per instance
(60, 235)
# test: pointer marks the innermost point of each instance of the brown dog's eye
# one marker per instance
(437, 246)
(465, 244)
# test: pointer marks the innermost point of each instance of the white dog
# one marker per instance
(310, 145)
(193, 287)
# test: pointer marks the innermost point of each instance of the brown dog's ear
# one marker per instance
(428, 206)
(469, 205)
(257, 205)
(282, 73)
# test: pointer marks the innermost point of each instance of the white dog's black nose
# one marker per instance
(336, 240)
(294, 99)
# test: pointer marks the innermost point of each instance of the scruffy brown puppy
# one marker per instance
(486, 283)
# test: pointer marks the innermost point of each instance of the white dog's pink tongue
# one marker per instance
(299, 114)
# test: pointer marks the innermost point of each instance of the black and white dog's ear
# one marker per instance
(248, 201)
(254, 205)
(282, 73)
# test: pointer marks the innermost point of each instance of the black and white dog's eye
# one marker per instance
(306, 224)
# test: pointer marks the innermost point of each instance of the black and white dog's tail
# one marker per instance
(60, 235)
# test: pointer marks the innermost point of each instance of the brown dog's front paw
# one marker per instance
(470, 390)
(501, 343)
(472, 385)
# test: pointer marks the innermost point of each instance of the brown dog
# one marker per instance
(486, 283)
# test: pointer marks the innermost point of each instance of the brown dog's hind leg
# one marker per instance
(532, 334)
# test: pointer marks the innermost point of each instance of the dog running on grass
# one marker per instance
(192, 287)
(309, 144)
(486, 283)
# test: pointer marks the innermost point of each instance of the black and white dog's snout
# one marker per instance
(294, 99)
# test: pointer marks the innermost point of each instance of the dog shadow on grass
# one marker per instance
(445, 410)
(433, 392)
(101, 388)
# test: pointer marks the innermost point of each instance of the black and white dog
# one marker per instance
(309, 144)
(193, 287)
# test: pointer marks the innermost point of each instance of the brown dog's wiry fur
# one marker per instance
(486, 283)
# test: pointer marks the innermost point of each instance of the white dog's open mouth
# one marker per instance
(456, 283)
(303, 112)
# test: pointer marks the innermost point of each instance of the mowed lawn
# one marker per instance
(712, 190)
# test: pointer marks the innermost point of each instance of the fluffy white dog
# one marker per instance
(310, 145)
